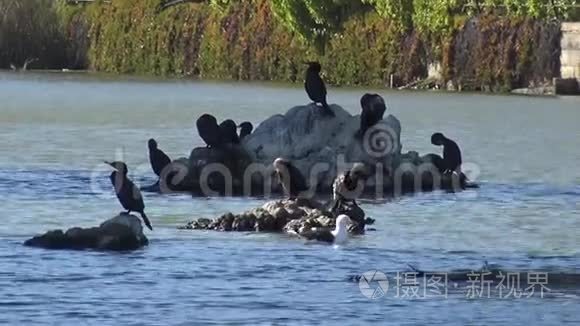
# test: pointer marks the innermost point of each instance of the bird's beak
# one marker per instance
(111, 164)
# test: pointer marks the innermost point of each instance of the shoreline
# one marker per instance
(546, 91)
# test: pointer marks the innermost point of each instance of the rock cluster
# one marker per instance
(120, 233)
(289, 216)
(321, 147)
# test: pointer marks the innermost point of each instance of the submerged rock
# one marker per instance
(289, 216)
(120, 233)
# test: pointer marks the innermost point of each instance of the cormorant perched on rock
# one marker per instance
(245, 129)
(373, 108)
(291, 179)
(451, 152)
(345, 186)
(315, 87)
(337, 236)
(158, 159)
(208, 130)
(128, 194)
(228, 132)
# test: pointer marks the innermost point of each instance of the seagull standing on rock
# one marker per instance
(337, 236)
(128, 194)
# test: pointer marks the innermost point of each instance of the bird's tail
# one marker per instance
(146, 220)
(327, 110)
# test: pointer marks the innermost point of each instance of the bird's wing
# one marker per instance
(320, 83)
(298, 182)
(338, 187)
(282, 178)
(136, 196)
(452, 155)
(315, 88)
(164, 158)
(378, 106)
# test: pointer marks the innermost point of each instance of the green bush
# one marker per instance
(364, 42)
(498, 54)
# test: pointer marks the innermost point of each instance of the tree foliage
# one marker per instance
(365, 41)
(436, 16)
(316, 20)
(399, 11)
(30, 30)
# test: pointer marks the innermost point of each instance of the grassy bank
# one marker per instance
(253, 40)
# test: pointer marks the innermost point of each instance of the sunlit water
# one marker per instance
(55, 129)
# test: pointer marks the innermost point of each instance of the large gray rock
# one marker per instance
(322, 145)
(207, 172)
(120, 233)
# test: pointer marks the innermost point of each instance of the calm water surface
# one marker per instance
(55, 129)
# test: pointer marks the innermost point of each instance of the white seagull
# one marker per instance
(337, 236)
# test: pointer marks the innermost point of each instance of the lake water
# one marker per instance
(56, 129)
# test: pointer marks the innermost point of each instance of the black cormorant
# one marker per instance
(245, 129)
(337, 236)
(291, 179)
(128, 194)
(228, 132)
(315, 87)
(451, 152)
(209, 130)
(373, 108)
(158, 159)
